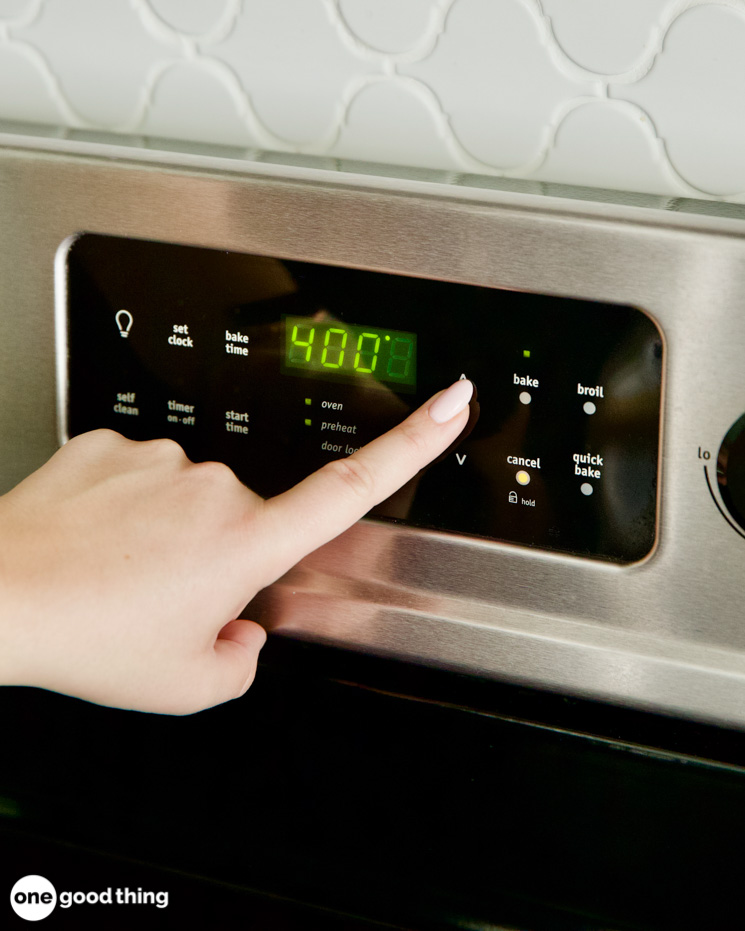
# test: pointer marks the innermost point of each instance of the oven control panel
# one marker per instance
(276, 367)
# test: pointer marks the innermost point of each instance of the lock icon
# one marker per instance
(513, 497)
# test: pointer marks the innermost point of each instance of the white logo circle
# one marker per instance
(33, 898)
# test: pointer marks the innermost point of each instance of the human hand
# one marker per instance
(123, 565)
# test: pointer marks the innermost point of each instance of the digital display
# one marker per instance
(347, 352)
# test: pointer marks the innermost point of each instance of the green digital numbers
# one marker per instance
(367, 355)
(350, 353)
(399, 361)
(328, 359)
(300, 349)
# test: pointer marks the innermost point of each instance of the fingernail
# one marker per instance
(451, 402)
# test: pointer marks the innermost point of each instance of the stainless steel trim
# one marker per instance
(60, 327)
(666, 633)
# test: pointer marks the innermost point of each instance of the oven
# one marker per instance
(518, 687)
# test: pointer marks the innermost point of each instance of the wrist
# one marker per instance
(13, 666)
(15, 608)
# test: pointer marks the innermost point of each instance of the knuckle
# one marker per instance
(215, 473)
(102, 438)
(104, 435)
(354, 475)
(165, 448)
(415, 440)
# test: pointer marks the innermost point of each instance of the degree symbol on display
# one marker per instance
(124, 321)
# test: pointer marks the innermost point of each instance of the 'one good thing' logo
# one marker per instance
(34, 898)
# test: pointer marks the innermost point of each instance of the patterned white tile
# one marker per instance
(101, 56)
(16, 10)
(389, 25)
(695, 95)
(212, 115)
(607, 144)
(421, 137)
(197, 18)
(605, 36)
(491, 75)
(294, 69)
(33, 96)
(643, 95)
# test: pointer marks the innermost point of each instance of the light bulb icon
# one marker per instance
(124, 322)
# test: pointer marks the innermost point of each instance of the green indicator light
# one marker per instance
(307, 422)
(307, 400)
(526, 353)
(387, 338)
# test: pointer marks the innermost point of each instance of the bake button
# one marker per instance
(236, 344)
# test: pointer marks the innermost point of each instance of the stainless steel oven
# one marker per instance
(584, 542)
(638, 303)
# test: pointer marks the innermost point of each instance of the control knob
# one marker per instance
(731, 471)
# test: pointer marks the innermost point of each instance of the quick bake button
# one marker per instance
(588, 465)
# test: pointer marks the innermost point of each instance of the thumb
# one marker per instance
(236, 654)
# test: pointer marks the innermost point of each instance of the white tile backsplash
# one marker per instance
(636, 95)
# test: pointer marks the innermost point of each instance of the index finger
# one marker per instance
(330, 500)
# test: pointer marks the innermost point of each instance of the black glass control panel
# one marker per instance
(276, 367)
